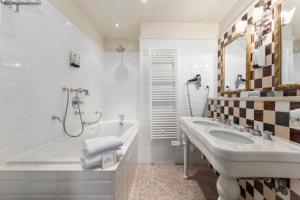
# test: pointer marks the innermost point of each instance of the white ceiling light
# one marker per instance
(144, 1)
(117, 25)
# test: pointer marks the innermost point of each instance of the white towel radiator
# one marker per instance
(164, 115)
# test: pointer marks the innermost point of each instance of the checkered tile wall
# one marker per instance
(267, 115)
(270, 115)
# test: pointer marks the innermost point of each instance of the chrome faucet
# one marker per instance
(122, 118)
(267, 135)
(257, 131)
(229, 122)
(247, 128)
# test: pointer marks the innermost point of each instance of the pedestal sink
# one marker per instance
(239, 155)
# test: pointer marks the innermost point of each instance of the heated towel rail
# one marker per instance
(164, 115)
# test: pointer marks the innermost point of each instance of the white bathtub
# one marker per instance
(54, 171)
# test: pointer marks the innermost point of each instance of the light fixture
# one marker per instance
(117, 25)
(240, 27)
(262, 21)
(287, 16)
(144, 1)
(257, 14)
(69, 23)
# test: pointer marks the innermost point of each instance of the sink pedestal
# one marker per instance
(228, 188)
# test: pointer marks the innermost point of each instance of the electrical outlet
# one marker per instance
(175, 143)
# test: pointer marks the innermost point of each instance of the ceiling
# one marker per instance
(130, 13)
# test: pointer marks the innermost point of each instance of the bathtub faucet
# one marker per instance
(122, 117)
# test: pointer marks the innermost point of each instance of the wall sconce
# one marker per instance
(262, 20)
(287, 16)
(257, 14)
(241, 27)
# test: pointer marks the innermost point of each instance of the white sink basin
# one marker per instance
(231, 137)
(206, 123)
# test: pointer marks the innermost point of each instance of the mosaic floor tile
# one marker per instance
(165, 182)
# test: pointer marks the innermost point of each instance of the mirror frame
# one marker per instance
(278, 52)
(249, 49)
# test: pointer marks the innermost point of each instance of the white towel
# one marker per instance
(96, 161)
(96, 146)
(295, 114)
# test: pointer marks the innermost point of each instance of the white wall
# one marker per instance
(34, 55)
(121, 85)
(155, 30)
(194, 56)
(72, 10)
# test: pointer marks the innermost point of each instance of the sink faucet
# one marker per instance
(256, 131)
(247, 129)
(122, 117)
(229, 122)
(268, 135)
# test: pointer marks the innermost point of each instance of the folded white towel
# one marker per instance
(96, 161)
(295, 114)
(96, 146)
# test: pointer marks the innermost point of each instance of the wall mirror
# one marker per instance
(287, 43)
(234, 55)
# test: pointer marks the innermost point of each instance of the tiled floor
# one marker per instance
(165, 182)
